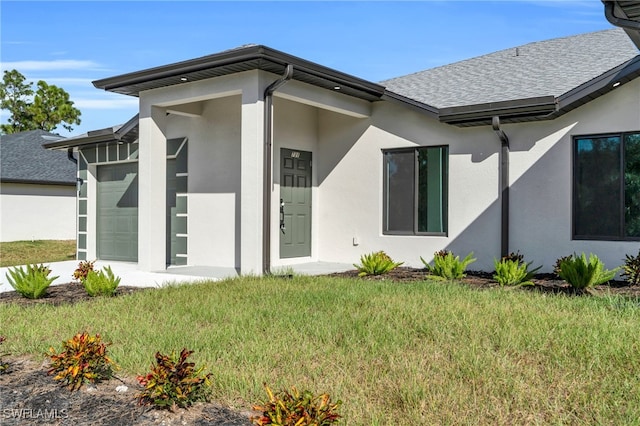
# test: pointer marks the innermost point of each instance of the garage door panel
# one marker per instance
(117, 204)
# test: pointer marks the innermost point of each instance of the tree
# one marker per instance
(44, 109)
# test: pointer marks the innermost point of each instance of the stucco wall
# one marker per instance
(214, 181)
(350, 180)
(541, 178)
(37, 212)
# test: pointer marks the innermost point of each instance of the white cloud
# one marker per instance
(85, 103)
(61, 64)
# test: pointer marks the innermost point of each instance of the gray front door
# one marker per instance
(117, 212)
(295, 198)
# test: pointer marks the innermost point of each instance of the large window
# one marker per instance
(415, 191)
(606, 189)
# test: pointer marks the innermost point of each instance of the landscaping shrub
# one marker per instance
(376, 263)
(448, 266)
(582, 273)
(174, 382)
(101, 283)
(556, 266)
(631, 269)
(4, 366)
(512, 270)
(31, 283)
(84, 267)
(83, 360)
(296, 408)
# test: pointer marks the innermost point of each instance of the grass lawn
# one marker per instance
(39, 251)
(395, 354)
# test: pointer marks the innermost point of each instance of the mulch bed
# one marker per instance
(29, 396)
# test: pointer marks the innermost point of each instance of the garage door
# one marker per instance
(117, 205)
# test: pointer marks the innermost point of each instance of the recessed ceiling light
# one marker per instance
(336, 87)
(183, 78)
(616, 84)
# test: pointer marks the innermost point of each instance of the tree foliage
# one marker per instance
(45, 108)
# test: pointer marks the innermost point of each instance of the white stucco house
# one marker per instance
(37, 189)
(253, 159)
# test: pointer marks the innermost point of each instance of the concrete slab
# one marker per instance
(131, 276)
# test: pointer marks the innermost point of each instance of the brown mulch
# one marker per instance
(28, 396)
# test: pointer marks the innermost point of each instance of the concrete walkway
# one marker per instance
(131, 276)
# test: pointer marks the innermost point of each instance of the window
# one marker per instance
(415, 191)
(606, 187)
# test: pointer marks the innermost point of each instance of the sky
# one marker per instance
(71, 44)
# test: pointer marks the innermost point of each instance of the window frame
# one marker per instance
(621, 194)
(416, 175)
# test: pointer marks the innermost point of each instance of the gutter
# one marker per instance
(609, 13)
(268, 141)
(504, 185)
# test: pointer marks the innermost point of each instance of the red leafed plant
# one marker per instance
(174, 382)
(83, 360)
(296, 408)
(83, 269)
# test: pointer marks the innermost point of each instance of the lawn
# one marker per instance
(39, 251)
(397, 354)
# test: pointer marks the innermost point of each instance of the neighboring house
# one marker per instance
(253, 158)
(37, 189)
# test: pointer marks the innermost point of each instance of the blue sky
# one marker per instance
(70, 44)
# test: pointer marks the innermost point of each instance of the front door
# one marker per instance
(295, 203)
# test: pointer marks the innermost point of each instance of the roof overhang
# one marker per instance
(127, 133)
(238, 60)
(624, 14)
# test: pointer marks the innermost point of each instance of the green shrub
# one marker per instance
(174, 382)
(296, 408)
(556, 266)
(513, 271)
(33, 282)
(447, 266)
(631, 269)
(4, 366)
(84, 267)
(101, 283)
(376, 263)
(582, 273)
(83, 360)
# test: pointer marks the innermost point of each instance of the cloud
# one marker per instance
(61, 64)
(86, 103)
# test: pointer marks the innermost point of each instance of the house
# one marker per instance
(254, 159)
(37, 189)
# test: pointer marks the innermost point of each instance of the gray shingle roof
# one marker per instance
(24, 159)
(545, 68)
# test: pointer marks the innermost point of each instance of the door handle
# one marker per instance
(282, 227)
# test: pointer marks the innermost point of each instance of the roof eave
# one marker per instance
(599, 86)
(261, 55)
(625, 15)
(481, 114)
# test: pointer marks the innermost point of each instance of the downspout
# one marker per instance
(266, 193)
(504, 185)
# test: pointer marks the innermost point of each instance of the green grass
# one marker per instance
(396, 354)
(39, 251)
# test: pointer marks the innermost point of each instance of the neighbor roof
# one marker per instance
(23, 159)
(548, 68)
(125, 133)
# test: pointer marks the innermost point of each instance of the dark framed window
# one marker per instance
(606, 187)
(416, 191)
